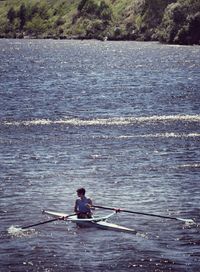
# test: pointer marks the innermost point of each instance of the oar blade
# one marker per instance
(187, 221)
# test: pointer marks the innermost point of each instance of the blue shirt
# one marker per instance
(81, 205)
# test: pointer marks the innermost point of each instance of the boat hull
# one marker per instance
(115, 227)
(96, 221)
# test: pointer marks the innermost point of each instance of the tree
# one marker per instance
(22, 15)
(194, 27)
(190, 33)
(104, 11)
(81, 5)
(11, 15)
(181, 23)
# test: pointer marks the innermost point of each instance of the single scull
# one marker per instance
(96, 221)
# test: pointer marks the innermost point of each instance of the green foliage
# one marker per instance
(81, 5)
(90, 7)
(95, 9)
(104, 11)
(36, 26)
(93, 28)
(148, 14)
(181, 23)
(31, 17)
(171, 21)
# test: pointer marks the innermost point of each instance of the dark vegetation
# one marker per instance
(170, 21)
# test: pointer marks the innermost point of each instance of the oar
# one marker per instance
(148, 214)
(48, 221)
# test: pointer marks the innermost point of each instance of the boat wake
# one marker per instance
(161, 135)
(142, 235)
(115, 121)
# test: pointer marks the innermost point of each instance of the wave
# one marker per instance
(116, 121)
(161, 135)
(190, 165)
(83, 138)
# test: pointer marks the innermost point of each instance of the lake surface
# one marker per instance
(121, 119)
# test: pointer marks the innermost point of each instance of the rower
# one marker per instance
(83, 205)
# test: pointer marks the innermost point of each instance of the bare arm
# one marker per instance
(90, 204)
(76, 207)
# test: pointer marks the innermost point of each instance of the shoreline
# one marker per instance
(81, 38)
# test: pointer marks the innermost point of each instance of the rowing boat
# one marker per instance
(96, 221)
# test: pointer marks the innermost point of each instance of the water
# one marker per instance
(119, 118)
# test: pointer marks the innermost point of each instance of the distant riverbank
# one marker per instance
(167, 21)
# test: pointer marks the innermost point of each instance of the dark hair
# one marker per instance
(81, 191)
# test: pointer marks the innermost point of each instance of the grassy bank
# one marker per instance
(171, 21)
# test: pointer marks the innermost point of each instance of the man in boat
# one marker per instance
(83, 205)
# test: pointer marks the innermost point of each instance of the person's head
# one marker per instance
(81, 192)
